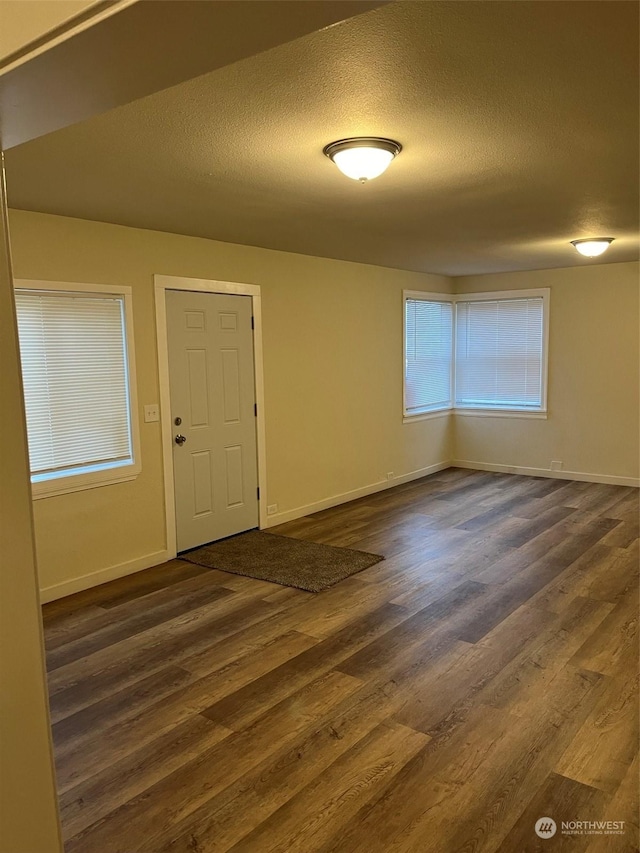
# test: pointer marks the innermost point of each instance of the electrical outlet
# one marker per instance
(272, 509)
(151, 413)
(390, 475)
(556, 465)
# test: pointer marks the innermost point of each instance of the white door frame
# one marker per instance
(162, 283)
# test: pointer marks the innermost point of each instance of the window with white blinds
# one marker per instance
(428, 341)
(75, 365)
(499, 357)
(475, 351)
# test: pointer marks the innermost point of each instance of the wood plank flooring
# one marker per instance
(482, 676)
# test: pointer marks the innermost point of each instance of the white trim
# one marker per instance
(162, 283)
(60, 590)
(500, 413)
(581, 476)
(363, 491)
(492, 295)
(79, 483)
(428, 296)
(70, 286)
(544, 367)
(66, 484)
(204, 285)
(475, 413)
(427, 416)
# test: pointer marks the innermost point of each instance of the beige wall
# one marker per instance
(592, 427)
(28, 806)
(333, 381)
(333, 387)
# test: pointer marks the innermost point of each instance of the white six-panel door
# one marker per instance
(211, 380)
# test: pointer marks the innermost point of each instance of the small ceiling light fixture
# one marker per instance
(362, 157)
(591, 247)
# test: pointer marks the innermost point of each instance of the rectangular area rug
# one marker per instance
(282, 559)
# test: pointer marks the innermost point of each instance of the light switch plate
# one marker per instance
(151, 413)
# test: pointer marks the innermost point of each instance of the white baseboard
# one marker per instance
(60, 590)
(362, 492)
(582, 476)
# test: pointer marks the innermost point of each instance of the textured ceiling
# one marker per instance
(141, 48)
(518, 120)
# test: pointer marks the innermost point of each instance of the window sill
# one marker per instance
(499, 413)
(80, 483)
(426, 416)
(476, 413)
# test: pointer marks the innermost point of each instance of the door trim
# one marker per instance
(162, 283)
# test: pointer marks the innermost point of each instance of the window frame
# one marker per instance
(481, 296)
(424, 296)
(110, 474)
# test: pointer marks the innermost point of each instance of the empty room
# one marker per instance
(321, 452)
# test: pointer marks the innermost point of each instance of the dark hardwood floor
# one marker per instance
(482, 676)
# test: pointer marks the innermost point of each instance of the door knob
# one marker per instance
(180, 439)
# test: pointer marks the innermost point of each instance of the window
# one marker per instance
(428, 341)
(493, 344)
(499, 356)
(76, 351)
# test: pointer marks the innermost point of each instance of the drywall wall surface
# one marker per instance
(333, 382)
(593, 425)
(28, 803)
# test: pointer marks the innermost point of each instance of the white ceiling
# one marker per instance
(518, 120)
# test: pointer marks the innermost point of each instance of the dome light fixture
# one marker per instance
(591, 247)
(362, 158)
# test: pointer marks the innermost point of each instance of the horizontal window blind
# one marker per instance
(499, 353)
(74, 367)
(429, 332)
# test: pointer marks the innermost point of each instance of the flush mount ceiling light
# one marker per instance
(362, 157)
(591, 247)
